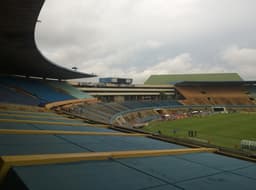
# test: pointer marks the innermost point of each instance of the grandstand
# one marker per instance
(36, 91)
(108, 112)
(208, 89)
(75, 155)
(10, 95)
(252, 92)
(68, 89)
(61, 149)
(214, 93)
(35, 88)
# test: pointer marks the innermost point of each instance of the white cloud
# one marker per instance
(153, 44)
(137, 38)
(242, 60)
(179, 64)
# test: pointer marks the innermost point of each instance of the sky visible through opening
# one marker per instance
(137, 38)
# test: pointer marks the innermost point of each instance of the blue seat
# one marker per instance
(8, 95)
(36, 88)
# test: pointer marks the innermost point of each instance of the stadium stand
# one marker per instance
(42, 150)
(252, 92)
(69, 89)
(106, 112)
(90, 113)
(147, 104)
(36, 88)
(214, 95)
(83, 156)
(12, 95)
(139, 118)
(207, 89)
(134, 104)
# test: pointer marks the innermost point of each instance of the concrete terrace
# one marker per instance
(48, 151)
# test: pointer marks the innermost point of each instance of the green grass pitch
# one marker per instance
(225, 130)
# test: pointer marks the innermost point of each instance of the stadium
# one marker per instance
(172, 132)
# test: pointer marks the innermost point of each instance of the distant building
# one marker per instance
(120, 92)
(116, 81)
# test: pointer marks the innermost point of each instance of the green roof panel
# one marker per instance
(171, 79)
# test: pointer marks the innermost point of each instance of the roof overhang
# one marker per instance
(19, 54)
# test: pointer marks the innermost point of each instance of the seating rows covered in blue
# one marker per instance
(209, 172)
(252, 91)
(36, 88)
(143, 104)
(69, 89)
(10, 95)
(188, 172)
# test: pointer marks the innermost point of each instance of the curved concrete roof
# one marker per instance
(19, 54)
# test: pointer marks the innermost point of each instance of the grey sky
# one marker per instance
(137, 38)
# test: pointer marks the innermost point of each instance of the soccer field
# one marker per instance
(225, 130)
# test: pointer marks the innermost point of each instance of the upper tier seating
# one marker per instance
(8, 95)
(36, 88)
(69, 89)
(214, 95)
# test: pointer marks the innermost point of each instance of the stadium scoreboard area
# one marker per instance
(118, 81)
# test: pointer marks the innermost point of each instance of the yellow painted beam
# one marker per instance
(4, 168)
(6, 162)
(99, 125)
(57, 132)
(69, 102)
(45, 122)
(37, 116)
